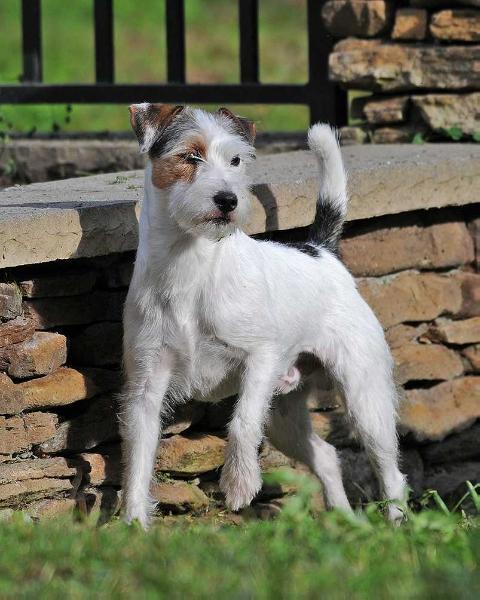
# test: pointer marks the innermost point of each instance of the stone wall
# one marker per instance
(419, 61)
(60, 347)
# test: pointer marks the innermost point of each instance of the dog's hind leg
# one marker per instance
(141, 404)
(290, 430)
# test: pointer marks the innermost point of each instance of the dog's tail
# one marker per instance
(332, 200)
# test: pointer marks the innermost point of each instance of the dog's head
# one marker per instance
(198, 161)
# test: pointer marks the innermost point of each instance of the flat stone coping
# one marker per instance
(98, 215)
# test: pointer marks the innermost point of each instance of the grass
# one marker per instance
(436, 554)
(212, 56)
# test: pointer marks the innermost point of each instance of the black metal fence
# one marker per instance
(325, 100)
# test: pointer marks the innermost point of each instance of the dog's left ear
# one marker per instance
(149, 121)
(245, 128)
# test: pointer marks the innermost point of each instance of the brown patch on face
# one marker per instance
(148, 121)
(244, 127)
(167, 171)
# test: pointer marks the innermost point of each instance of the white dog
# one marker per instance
(206, 299)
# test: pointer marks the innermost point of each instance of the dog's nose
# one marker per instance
(226, 201)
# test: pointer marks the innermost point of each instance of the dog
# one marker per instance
(206, 300)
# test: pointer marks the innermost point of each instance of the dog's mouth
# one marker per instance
(218, 218)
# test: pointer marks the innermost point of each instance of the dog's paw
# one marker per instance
(289, 381)
(240, 483)
(396, 514)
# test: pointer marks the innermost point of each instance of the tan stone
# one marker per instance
(377, 110)
(38, 468)
(50, 508)
(417, 362)
(349, 136)
(15, 494)
(393, 135)
(474, 228)
(470, 288)
(456, 332)
(411, 296)
(189, 455)
(393, 67)
(41, 354)
(270, 458)
(434, 413)
(101, 469)
(60, 388)
(456, 25)
(400, 335)
(472, 354)
(15, 331)
(390, 249)
(10, 301)
(442, 112)
(410, 24)
(183, 417)
(17, 434)
(99, 344)
(65, 283)
(179, 496)
(364, 18)
(97, 424)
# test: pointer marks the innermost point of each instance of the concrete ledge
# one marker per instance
(98, 215)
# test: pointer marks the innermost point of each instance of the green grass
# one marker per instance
(212, 56)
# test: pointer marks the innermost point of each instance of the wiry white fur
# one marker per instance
(207, 299)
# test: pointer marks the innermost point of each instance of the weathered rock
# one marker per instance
(183, 417)
(65, 283)
(15, 331)
(455, 332)
(40, 355)
(50, 508)
(474, 228)
(411, 296)
(377, 110)
(400, 335)
(37, 468)
(98, 345)
(393, 135)
(386, 250)
(472, 354)
(442, 112)
(456, 25)
(470, 288)
(270, 458)
(459, 447)
(60, 388)
(417, 362)
(179, 496)
(40, 426)
(190, 455)
(450, 478)
(76, 310)
(434, 413)
(101, 469)
(97, 424)
(15, 494)
(363, 18)
(17, 434)
(103, 502)
(333, 426)
(10, 301)
(410, 24)
(375, 66)
(349, 136)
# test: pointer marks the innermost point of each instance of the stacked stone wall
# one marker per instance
(416, 60)
(60, 354)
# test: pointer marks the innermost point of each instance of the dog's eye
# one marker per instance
(235, 161)
(192, 157)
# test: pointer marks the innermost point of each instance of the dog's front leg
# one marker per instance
(147, 382)
(241, 477)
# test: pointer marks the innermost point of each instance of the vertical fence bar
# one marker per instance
(327, 101)
(175, 15)
(248, 19)
(104, 58)
(31, 41)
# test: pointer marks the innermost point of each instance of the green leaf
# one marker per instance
(454, 133)
(418, 138)
(476, 136)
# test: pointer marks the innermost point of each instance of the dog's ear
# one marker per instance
(245, 128)
(149, 121)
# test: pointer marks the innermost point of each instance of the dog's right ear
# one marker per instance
(149, 121)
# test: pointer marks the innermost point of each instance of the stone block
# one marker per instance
(461, 25)
(10, 301)
(15, 331)
(440, 3)
(183, 417)
(373, 252)
(441, 112)
(65, 283)
(60, 388)
(459, 447)
(179, 496)
(50, 508)
(99, 345)
(362, 18)
(378, 111)
(401, 335)
(410, 24)
(19, 492)
(101, 469)
(470, 288)
(426, 362)
(19, 433)
(389, 67)
(394, 135)
(472, 354)
(411, 296)
(190, 455)
(446, 408)
(43, 353)
(455, 332)
(349, 136)
(37, 468)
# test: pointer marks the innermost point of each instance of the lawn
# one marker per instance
(212, 56)
(434, 555)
